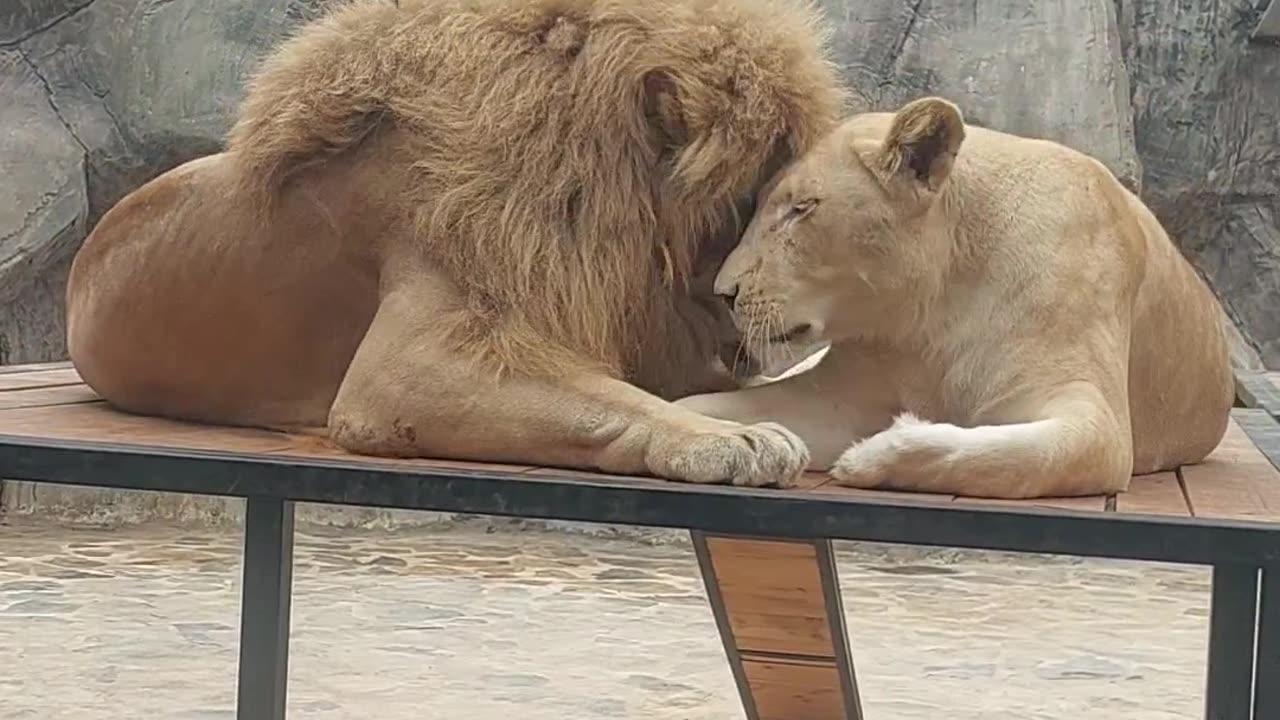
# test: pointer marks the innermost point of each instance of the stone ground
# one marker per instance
(478, 623)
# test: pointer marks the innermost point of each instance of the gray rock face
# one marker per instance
(109, 93)
(1167, 93)
(22, 19)
(43, 205)
(1207, 114)
(1052, 68)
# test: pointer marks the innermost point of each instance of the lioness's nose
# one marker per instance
(728, 292)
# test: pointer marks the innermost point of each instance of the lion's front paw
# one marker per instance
(765, 454)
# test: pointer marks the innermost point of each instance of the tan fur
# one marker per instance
(1005, 319)
(468, 228)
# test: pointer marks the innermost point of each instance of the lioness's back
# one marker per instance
(1181, 384)
(1180, 379)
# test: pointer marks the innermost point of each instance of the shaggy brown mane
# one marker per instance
(571, 160)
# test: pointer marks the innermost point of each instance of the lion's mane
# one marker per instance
(570, 164)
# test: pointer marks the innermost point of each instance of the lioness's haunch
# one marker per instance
(480, 229)
(1006, 319)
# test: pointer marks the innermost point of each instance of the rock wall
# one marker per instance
(100, 95)
(1207, 119)
(1051, 68)
(109, 93)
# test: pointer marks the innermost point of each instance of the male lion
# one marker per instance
(1020, 313)
(480, 229)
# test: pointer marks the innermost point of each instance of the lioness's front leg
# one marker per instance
(1069, 444)
(405, 395)
(844, 398)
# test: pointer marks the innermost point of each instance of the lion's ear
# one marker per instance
(922, 144)
(663, 110)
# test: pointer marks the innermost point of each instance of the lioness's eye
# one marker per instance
(802, 208)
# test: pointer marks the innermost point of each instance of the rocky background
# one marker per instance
(97, 96)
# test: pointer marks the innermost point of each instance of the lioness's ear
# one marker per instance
(922, 144)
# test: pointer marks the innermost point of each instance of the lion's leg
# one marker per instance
(846, 396)
(405, 395)
(1073, 446)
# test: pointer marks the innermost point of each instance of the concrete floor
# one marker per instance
(478, 623)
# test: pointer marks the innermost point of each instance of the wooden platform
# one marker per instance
(765, 554)
(49, 401)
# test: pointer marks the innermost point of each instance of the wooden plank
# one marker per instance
(817, 482)
(46, 413)
(556, 472)
(793, 690)
(1092, 503)
(315, 446)
(807, 482)
(830, 488)
(1235, 482)
(30, 367)
(96, 422)
(1155, 494)
(47, 396)
(39, 379)
(773, 595)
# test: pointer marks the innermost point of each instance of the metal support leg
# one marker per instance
(264, 609)
(1266, 702)
(1232, 625)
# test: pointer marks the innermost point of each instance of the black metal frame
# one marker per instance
(266, 595)
(839, 630)
(1245, 555)
(707, 566)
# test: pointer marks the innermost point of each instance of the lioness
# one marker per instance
(1005, 318)
(478, 229)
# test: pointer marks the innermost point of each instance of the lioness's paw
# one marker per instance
(873, 462)
(862, 466)
(759, 455)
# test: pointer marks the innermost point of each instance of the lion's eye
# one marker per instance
(802, 208)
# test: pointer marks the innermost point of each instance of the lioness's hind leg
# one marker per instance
(1078, 452)
(406, 395)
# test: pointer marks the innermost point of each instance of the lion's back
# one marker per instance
(509, 81)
